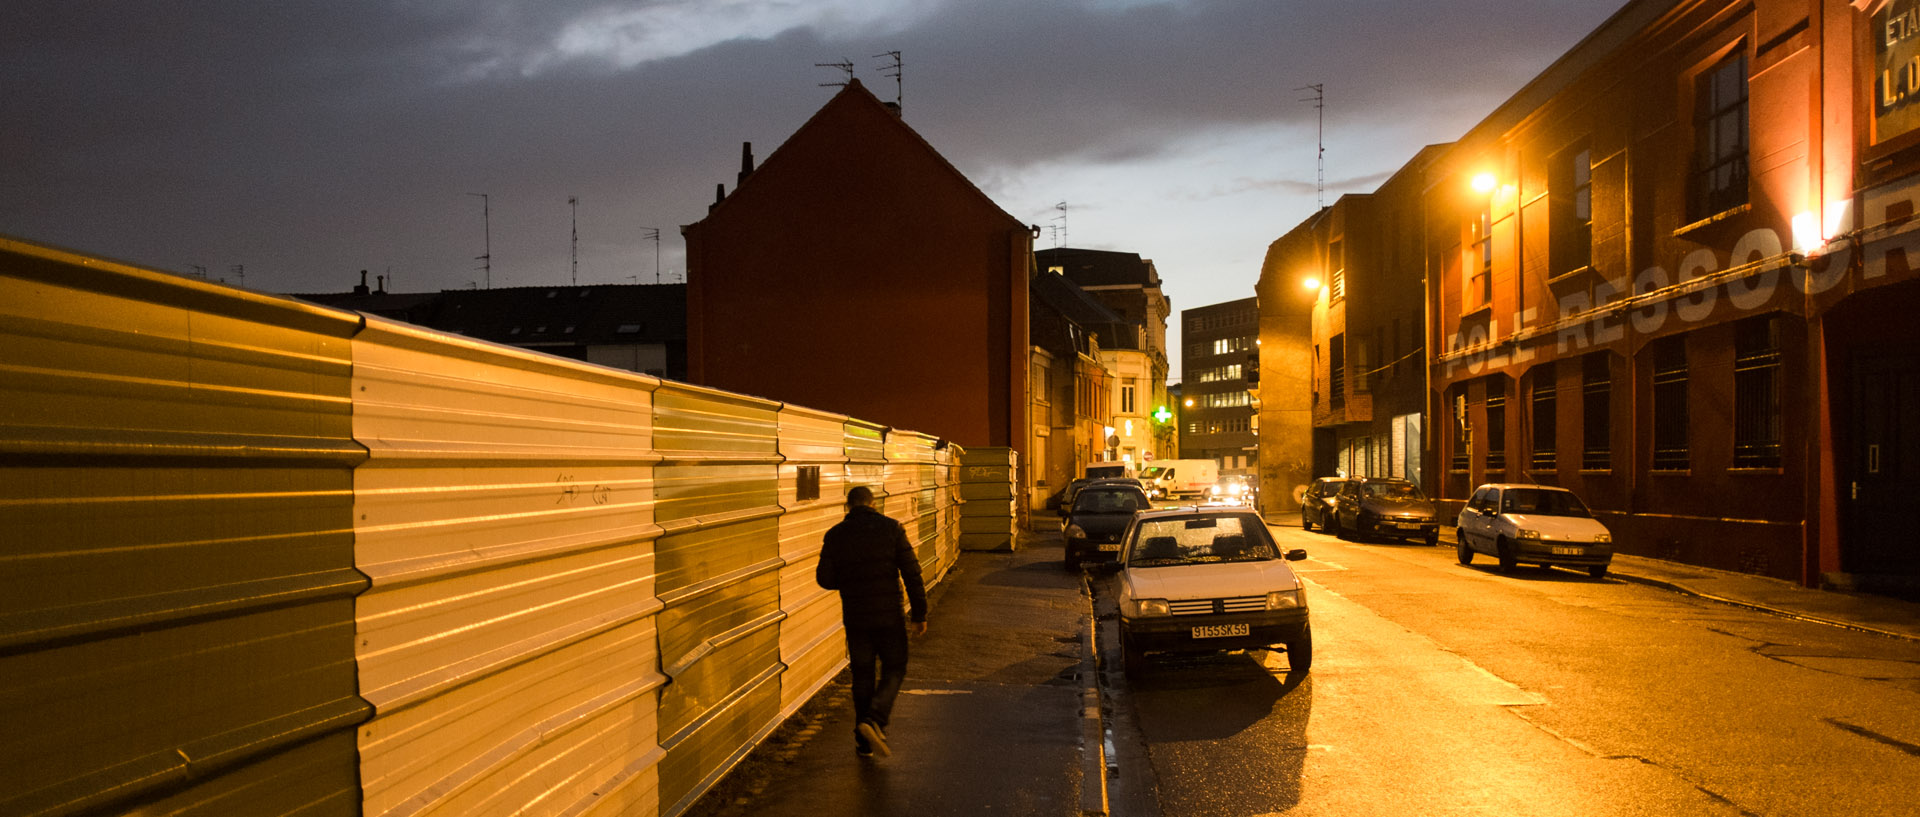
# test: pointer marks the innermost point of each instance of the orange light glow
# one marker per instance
(1484, 182)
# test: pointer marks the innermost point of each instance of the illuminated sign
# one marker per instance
(1896, 76)
(1162, 415)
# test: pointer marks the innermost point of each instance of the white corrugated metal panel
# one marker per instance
(176, 579)
(809, 643)
(506, 520)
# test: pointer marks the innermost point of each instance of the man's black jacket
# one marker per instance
(867, 558)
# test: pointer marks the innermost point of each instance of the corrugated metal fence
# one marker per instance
(259, 557)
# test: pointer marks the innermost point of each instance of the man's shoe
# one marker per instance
(876, 739)
(863, 751)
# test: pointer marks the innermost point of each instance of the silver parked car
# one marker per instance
(1540, 524)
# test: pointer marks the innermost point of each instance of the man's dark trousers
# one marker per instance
(887, 642)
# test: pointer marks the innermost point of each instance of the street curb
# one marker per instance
(1093, 730)
(1797, 616)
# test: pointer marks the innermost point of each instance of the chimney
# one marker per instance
(746, 164)
(719, 195)
(361, 288)
(383, 283)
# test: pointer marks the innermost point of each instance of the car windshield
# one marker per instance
(1542, 503)
(1094, 500)
(1150, 472)
(1393, 490)
(1204, 539)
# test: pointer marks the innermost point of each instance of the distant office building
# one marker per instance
(1218, 351)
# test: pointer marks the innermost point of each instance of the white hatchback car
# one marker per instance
(1540, 524)
(1209, 579)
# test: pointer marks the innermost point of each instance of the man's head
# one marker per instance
(860, 497)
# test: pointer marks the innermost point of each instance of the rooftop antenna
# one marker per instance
(486, 221)
(892, 70)
(1060, 232)
(845, 65)
(574, 202)
(1319, 100)
(654, 234)
(240, 271)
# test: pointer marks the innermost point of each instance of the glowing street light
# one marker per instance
(1484, 182)
(1312, 282)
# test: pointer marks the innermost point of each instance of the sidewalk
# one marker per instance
(993, 718)
(1855, 611)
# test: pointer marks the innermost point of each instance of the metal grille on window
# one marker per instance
(1596, 394)
(1670, 443)
(1337, 371)
(1756, 393)
(1545, 402)
(1496, 435)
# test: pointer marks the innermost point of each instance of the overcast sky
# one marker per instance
(305, 140)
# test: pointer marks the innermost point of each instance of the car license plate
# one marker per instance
(1112, 546)
(1220, 630)
(1559, 551)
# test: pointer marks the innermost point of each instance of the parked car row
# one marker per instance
(1535, 524)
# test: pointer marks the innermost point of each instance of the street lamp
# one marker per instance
(1312, 282)
(1485, 182)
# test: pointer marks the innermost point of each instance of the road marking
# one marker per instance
(936, 692)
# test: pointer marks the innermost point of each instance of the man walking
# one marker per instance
(867, 558)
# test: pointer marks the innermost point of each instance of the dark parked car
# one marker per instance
(1384, 507)
(1064, 500)
(1316, 507)
(1099, 516)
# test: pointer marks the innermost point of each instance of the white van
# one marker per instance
(1180, 478)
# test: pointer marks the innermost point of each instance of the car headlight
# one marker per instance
(1144, 608)
(1215, 490)
(1286, 599)
(1075, 532)
(1528, 534)
(1603, 539)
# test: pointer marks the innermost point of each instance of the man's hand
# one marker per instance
(919, 628)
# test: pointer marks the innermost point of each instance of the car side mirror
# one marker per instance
(1296, 554)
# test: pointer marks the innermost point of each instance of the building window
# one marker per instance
(1596, 396)
(1480, 286)
(1720, 138)
(1756, 393)
(1570, 236)
(1461, 456)
(1337, 262)
(1670, 404)
(1496, 434)
(1126, 396)
(1336, 370)
(1545, 424)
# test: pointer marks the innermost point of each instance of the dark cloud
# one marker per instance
(308, 140)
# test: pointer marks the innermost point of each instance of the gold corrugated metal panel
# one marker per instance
(817, 440)
(176, 583)
(509, 640)
(866, 442)
(699, 754)
(715, 493)
(693, 423)
(811, 437)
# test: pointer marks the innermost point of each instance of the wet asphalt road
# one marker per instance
(1443, 689)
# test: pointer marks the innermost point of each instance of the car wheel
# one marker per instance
(1433, 538)
(1305, 523)
(1507, 560)
(1597, 571)
(1334, 527)
(1072, 560)
(1133, 660)
(1300, 652)
(1465, 553)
